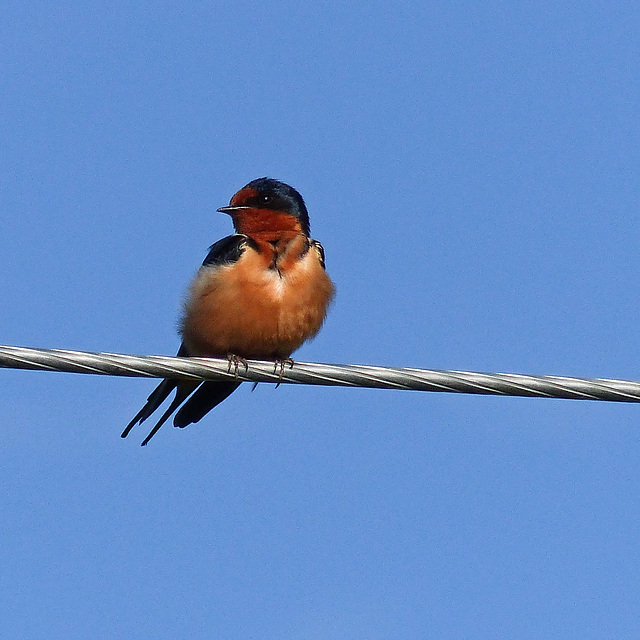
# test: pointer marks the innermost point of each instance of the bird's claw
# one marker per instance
(235, 362)
(280, 364)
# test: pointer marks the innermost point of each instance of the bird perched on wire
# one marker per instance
(260, 293)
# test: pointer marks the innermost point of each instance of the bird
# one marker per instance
(259, 294)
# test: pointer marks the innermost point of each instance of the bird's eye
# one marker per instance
(266, 199)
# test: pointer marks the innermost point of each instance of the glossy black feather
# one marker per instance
(157, 397)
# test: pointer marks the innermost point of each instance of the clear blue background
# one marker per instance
(472, 171)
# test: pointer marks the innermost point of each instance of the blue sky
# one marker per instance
(472, 172)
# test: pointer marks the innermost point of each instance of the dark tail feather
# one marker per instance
(183, 391)
(157, 397)
(202, 401)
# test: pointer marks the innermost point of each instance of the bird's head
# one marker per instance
(267, 205)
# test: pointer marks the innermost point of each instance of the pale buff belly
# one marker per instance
(251, 311)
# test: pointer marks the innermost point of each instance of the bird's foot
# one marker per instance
(235, 362)
(280, 364)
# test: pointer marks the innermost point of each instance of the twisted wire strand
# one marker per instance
(506, 384)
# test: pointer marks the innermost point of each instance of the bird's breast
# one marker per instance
(264, 305)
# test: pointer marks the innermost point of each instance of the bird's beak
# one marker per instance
(231, 209)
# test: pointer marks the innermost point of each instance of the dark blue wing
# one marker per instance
(228, 250)
(208, 396)
(320, 250)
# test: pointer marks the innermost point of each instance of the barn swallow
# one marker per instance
(259, 294)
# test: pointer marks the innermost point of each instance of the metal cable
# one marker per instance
(507, 384)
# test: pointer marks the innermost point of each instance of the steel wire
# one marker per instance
(506, 384)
